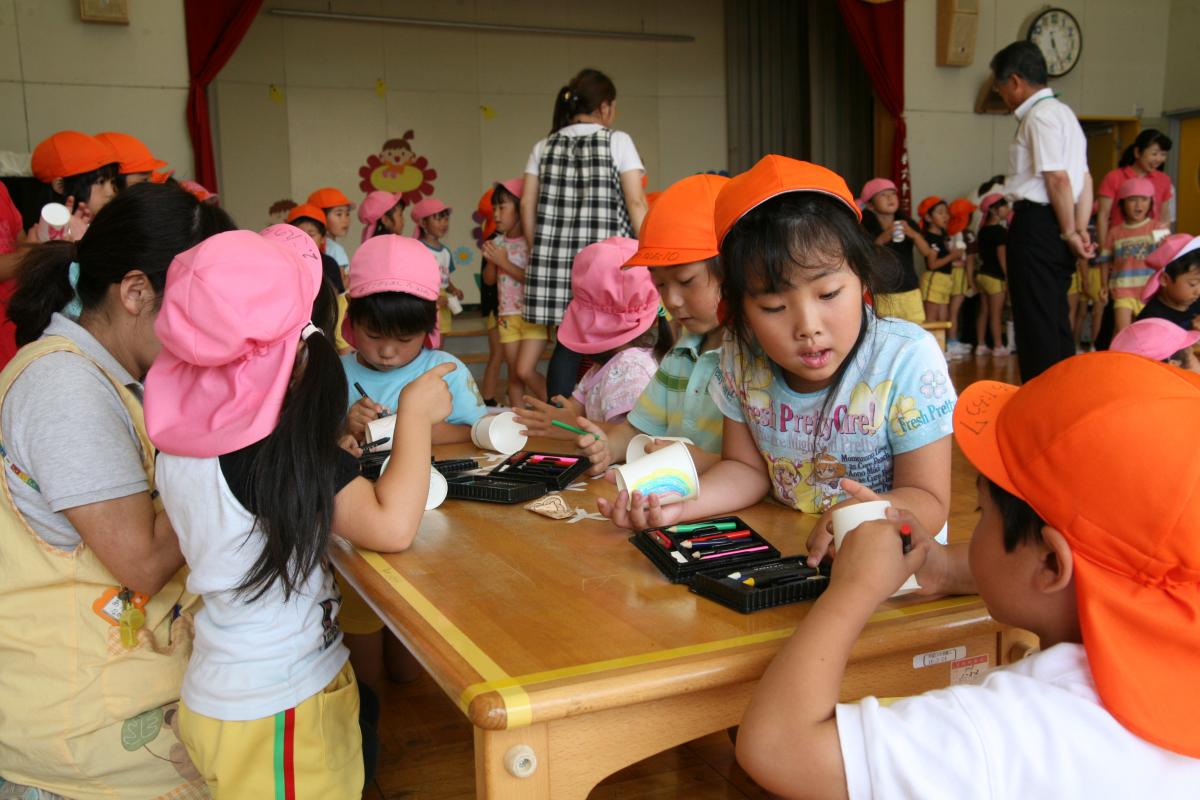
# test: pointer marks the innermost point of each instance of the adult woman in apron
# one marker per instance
(583, 184)
(95, 622)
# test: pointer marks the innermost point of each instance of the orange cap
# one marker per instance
(1084, 445)
(328, 197)
(678, 229)
(307, 210)
(130, 153)
(68, 153)
(771, 176)
(162, 177)
(928, 204)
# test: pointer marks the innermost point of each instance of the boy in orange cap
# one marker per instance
(337, 208)
(311, 220)
(1077, 542)
(679, 244)
(81, 172)
(135, 162)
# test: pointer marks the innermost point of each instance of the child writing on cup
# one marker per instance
(814, 386)
(679, 245)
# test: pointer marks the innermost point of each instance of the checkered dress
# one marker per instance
(580, 202)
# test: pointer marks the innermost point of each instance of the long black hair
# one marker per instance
(586, 92)
(143, 228)
(1145, 139)
(794, 231)
(294, 474)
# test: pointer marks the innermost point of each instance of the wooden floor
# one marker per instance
(426, 747)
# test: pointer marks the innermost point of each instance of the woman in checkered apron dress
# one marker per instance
(583, 184)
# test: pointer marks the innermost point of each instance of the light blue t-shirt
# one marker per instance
(384, 387)
(336, 252)
(895, 397)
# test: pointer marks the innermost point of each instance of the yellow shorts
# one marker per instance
(902, 305)
(311, 751)
(1093, 283)
(958, 278)
(515, 328)
(356, 617)
(490, 323)
(989, 285)
(445, 318)
(1132, 303)
(936, 286)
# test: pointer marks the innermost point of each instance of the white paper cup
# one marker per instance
(438, 488)
(637, 445)
(379, 428)
(54, 223)
(847, 518)
(499, 432)
(669, 473)
(454, 304)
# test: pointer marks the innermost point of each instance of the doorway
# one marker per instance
(1107, 138)
(1187, 181)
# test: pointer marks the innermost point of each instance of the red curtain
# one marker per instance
(877, 30)
(214, 30)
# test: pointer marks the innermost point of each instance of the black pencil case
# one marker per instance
(728, 587)
(679, 563)
(453, 466)
(556, 470)
(370, 464)
(494, 489)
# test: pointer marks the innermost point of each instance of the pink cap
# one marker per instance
(985, 205)
(515, 186)
(232, 314)
(874, 187)
(373, 207)
(1154, 338)
(389, 263)
(1136, 187)
(610, 306)
(427, 207)
(1171, 248)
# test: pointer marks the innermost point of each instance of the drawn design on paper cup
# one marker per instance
(454, 304)
(847, 518)
(380, 428)
(637, 445)
(669, 473)
(499, 432)
(55, 222)
(438, 488)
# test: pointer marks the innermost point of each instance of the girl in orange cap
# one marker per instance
(812, 379)
(79, 171)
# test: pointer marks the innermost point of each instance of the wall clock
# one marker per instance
(1057, 34)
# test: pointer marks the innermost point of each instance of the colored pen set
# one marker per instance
(523, 476)
(726, 560)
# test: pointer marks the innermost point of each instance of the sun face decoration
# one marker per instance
(484, 218)
(397, 168)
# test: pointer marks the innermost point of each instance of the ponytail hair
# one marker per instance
(142, 228)
(586, 92)
(292, 479)
(1145, 139)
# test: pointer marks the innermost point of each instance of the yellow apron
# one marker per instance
(82, 714)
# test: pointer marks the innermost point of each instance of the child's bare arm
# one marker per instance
(450, 433)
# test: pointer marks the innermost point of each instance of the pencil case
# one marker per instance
(453, 466)
(556, 470)
(681, 554)
(758, 585)
(494, 489)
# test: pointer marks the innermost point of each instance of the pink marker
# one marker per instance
(735, 552)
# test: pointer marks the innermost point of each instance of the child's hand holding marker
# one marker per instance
(362, 412)
(539, 417)
(594, 444)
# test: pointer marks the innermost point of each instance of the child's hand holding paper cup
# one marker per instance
(847, 518)
(668, 474)
(644, 443)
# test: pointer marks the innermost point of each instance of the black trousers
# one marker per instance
(1039, 274)
(562, 373)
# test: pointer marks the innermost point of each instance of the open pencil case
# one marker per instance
(758, 585)
(723, 543)
(370, 464)
(523, 476)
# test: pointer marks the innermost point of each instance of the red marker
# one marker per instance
(661, 538)
(716, 538)
(906, 538)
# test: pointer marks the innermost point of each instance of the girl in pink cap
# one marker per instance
(614, 317)
(432, 219)
(1123, 256)
(245, 386)
(899, 293)
(382, 212)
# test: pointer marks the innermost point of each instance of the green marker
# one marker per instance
(568, 427)
(702, 526)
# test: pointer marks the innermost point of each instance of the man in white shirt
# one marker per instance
(1050, 189)
(1077, 543)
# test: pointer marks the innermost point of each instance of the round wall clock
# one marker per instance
(1057, 34)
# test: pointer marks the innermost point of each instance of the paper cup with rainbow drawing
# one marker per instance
(637, 445)
(669, 473)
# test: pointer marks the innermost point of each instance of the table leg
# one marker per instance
(494, 781)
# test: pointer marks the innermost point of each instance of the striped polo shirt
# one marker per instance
(677, 402)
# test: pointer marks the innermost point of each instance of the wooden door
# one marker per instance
(1187, 208)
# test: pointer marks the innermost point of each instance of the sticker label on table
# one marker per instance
(938, 657)
(969, 670)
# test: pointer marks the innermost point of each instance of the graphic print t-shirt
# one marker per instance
(894, 398)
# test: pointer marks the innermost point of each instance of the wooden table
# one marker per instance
(562, 642)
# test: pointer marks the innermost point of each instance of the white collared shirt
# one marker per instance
(1049, 139)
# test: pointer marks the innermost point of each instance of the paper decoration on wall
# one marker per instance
(275, 93)
(397, 168)
(462, 257)
(279, 210)
(484, 218)
(380, 88)
(488, 112)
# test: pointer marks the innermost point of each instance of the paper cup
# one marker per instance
(847, 518)
(379, 428)
(454, 304)
(438, 488)
(55, 222)
(637, 445)
(669, 473)
(499, 432)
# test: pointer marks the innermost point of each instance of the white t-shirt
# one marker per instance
(336, 252)
(624, 153)
(1035, 729)
(249, 660)
(1049, 139)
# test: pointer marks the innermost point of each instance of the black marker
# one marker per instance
(361, 391)
(367, 446)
